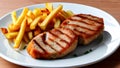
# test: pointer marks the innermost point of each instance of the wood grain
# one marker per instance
(110, 6)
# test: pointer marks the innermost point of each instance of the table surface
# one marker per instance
(111, 6)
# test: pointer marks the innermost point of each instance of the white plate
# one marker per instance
(104, 46)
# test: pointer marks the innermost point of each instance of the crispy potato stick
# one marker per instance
(12, 27)
(69, 12)
(20, 18)
(30, 14)
(4, 30)
(20, 34)
(34, 23)
(50, 16)
(57, 23)
(30, 35)
(49, 6)
(11, 35)
(64, 14)
(14, 17)
(29, 20)
(44, 16)
(22, 46)
(37, 12)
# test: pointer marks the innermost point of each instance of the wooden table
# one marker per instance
(111, 6)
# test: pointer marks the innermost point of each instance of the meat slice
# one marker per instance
(86, 26)
(55, 43)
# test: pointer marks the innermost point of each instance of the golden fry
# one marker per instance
(57, 23)
(14, 17)
(11, 35)
(30, 35)
(20, 34)
(12, 27)
(4, 30)
(69, 12)
(49, 6)
(29, 20)
(30, 14)
(34, 23)
(44, 24)
(21, 18)
(37, 12)
(43, 16)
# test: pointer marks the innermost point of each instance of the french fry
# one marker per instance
(45, 10)
(34, 23)
(49, 17)
(30, 14)
(43, 16)
(12, 27)
(64, 14)
(69, 12)
(29, 20)
(57, 23)
(20, 34)
(17, 25)
(37, 12)
(11, 35)
(49, 6)
(30, 35)
(4, 30)
(14, 17)
(22, 46)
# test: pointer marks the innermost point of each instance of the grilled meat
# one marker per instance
(59, 42)
(86, 26)
(55, 43)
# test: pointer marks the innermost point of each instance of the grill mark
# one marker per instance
(60, 39)
(78, 21)
(38, 48)
(62, 49)
(55, 42)
(84, 35)
(77, 30)
(83, 25)
(43, 45)
(61, 36)
(39, 45)
(50, 46)
(82, 21)
(43, 40)
(64, 34)
(87, 21)
(86, 17)
(72, 34)
(91, 29)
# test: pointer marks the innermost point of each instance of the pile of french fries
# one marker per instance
(33, 22)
